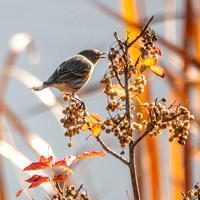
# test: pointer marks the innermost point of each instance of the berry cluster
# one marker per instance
(193, 193)
(75, 116)
(177, 119)
(149, 38)
(71, 193)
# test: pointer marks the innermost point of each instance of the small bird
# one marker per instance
(73, 73)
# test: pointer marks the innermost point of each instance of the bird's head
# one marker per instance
(92, 54)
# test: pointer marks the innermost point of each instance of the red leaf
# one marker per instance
(60, 163)
(19, 192)
(90, 155)
(157, 70)
(32, 179)
(96, 130)
(95, 116)
(159, 51)
(36, 166)
(39, 180)
(59, 178)
(46, 160)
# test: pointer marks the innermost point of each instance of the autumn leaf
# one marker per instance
(46, 160)
(95, 116)
(157, 70)
(91, 119)
(60, 163)
(148, 62)
(159, 51)
(19, 192)
(90, 155)
(39, 180)
(96, 129)
(59, 178)
(36, 166)
(32, 179)
(84, 127)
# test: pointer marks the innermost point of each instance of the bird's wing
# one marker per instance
(76, 66)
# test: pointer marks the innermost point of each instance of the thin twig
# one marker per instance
(108, 150)
(119, 80)
(141, 33)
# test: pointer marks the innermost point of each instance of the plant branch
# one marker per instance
(108, 150)
(141, 33)
(132, 170)
(117, 77)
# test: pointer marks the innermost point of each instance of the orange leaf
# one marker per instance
(148, 62)
(60, 163)
(19, 192)
(157, 70)
(46, 160)
(59, 178)
(36, 166)
(90, 155)
(95, 116)
(39, 180)
(119, 90)
(84, 127)
(96, 130)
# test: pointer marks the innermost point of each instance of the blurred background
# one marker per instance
(36, 36)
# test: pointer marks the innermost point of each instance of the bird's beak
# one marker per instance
(101, 56)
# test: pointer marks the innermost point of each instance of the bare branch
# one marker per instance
(108, 150)
(141, 33)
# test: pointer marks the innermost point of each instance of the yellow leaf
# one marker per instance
(84, 127)
(157, 70)
(96, 130)
(95, 116)
(148, 62)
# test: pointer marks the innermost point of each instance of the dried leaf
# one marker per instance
(96, 130)
(59, 178)
(19, 192)
(157, 70)
(36, 166)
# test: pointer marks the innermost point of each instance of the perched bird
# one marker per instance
(73, 73)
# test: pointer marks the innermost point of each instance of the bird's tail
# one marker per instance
(40, 87)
